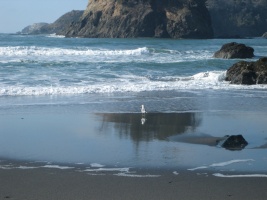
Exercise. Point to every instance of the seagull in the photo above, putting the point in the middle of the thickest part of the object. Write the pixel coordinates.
(143, 110)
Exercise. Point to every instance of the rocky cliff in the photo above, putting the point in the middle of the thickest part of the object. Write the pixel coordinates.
(58, 27)
(144, 18)
(33, 29)
(238, 18)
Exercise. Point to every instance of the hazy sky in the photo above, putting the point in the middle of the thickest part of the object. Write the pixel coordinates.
(17, 14)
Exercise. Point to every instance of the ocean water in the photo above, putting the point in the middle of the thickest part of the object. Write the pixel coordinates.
(53, 81)
(50, 65)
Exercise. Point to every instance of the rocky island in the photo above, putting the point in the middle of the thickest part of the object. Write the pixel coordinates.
(143, 18)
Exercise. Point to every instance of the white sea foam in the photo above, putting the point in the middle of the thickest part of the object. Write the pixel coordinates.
(97, 165)
(197, 168)
(125, 170)
(128, 84)
(6, 167)
(137, 175)
(27, 167)
(230, 162)
(175, 173)
(54, 35)
(210, 76)
(58, 52)
(96, 55)
(222, 164)
(241, 175)
(57, 167)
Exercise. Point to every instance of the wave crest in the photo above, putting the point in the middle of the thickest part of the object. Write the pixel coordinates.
(45, 51)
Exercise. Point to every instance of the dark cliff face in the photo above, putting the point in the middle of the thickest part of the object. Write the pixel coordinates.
(238, 18)
(62, 23)
(144, 18)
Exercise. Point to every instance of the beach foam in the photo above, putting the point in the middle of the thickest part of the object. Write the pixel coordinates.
(222, 164)
(175, 173)
(137, 175)
(27, 167)
(108, 170)
(97, 165)
(241, 175)
(57, 167)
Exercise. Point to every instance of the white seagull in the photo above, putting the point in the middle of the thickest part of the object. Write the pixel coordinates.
(143, 110)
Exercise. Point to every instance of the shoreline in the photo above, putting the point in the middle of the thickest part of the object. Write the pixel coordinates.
(96, 169)
(48, 183)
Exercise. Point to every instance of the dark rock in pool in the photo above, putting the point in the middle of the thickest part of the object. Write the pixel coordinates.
(248, 73)
(234, 50)
(234, 142)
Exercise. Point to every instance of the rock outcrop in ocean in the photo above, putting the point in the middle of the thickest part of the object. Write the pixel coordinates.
(238, 18)
(234, 50)
(248, 73)
(58, 27)
(143, 18)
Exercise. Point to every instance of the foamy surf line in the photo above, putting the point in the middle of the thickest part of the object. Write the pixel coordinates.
(200, 81)
(57, 167)
(125, 172)
(241, 175)
(96, 169)
(222, 164)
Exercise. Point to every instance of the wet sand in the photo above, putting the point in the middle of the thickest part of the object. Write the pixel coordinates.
(43, 184)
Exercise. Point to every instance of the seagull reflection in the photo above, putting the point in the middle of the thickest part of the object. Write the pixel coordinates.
(143, 111)
(143, 120)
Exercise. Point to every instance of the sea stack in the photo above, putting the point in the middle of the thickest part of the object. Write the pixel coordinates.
(143, 18)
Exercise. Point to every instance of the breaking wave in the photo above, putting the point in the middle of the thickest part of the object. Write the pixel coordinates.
(45, 51)
(199, 81)
(86, 54)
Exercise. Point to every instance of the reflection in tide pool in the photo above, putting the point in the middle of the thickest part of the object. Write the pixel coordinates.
(120, 139)
(158, 126)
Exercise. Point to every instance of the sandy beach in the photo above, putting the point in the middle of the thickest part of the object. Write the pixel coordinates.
(43, 184)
